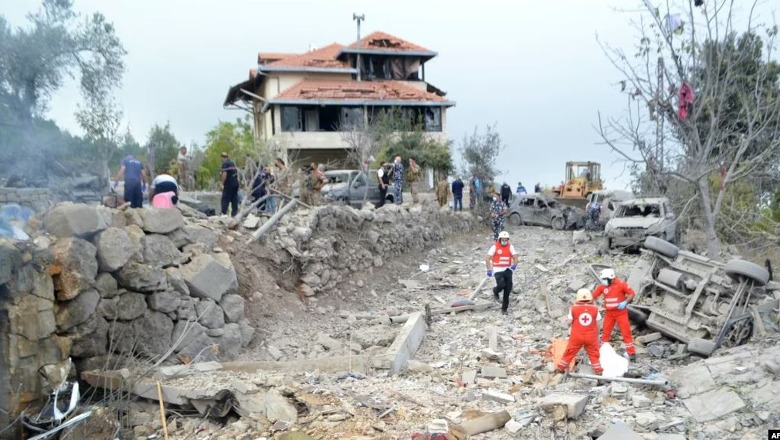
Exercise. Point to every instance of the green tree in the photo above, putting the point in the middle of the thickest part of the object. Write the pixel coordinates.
(480, 153)
(58, 43)
(233, 138)
(162, 147)
(100, 120)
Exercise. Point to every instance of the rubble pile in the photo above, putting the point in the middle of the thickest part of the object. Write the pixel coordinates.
(479, 371)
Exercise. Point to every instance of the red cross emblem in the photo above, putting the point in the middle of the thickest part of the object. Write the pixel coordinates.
(585, 320)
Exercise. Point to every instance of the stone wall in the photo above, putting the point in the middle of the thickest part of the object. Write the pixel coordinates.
(35, 198)
(106, 284)
(333, 242)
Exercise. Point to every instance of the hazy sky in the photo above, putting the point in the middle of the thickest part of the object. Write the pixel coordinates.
(534, 68)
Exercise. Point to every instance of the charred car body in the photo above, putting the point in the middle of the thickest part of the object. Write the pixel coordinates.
(636, 219)
(537, 209)
(699, 301)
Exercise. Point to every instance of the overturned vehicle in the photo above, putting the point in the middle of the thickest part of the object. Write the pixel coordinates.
(704, 303)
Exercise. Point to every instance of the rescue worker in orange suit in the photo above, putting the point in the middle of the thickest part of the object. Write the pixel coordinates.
(501, 262)
(617, 295)
(583, 318)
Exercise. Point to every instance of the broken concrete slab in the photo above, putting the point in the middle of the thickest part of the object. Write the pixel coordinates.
(646, 420)
(620, 431)
(692, 379)
(358, 364)
(713, 405)
(251, 222)
(491, 332)
(573, 403)
(406, 343)
(485, 423)
(468, 377)
(497, 396)
(646, 339)
(492, 372)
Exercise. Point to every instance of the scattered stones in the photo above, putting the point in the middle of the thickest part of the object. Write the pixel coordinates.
(574, 404)
(497, 396)
(161, 221)
(492, 372)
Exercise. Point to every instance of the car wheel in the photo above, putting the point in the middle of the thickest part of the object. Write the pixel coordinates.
(662, 247)
(738, 269)
(515, 219)
(390, 199)
(342, 201)
(637, 316)
(607, 246)
(558, 223)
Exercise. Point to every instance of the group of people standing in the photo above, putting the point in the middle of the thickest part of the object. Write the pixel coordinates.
(264, 184)
(396, 174)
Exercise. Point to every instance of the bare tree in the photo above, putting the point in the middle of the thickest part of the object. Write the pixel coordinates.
(703, 108)
(363, 141)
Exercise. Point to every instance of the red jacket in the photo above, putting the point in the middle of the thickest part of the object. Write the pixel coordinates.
(614, 294)
(584, 318)
(503, 255)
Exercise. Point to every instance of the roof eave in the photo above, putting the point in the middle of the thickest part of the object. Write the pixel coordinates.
(307, 69)
(409, 53)
(384, 103)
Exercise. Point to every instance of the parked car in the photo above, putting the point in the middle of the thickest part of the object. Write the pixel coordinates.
(352, 187)
(637, 219)
(609, 200)
(538, 209)
(334, 177)
(702, 302)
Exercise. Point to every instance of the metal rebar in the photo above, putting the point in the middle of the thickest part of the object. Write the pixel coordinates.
(657, 383)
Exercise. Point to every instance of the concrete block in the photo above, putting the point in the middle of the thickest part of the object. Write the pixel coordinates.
(406, 343)
(468, 377)
(620, 431)
(713, 405)
(574, 403)
(492, 372)
(513, 428)
(498, 396)
(646, 339)
(647, 421)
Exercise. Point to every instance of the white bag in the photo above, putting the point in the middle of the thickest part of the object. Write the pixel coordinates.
(613, 364)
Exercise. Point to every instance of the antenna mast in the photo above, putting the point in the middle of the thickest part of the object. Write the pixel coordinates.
(358, 18)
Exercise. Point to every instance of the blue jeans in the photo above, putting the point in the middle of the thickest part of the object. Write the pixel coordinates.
(457, 205)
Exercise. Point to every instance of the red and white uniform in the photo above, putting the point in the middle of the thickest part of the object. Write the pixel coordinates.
(584, 333)
(617, 292)
(501, 256)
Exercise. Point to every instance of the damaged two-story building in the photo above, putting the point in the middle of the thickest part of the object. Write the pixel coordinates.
(301, 101)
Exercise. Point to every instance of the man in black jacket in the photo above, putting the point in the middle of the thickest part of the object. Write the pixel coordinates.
(384, 180)
(506, 193)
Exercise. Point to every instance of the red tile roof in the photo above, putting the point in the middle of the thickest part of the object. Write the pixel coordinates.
(324, 57)
(318, 90)
(263, 57)
(386, 42)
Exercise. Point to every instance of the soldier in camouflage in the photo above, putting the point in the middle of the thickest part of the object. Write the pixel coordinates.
(498, 211)
(398, 180)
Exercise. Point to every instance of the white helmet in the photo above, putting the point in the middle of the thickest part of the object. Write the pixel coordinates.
(503, 234)
(584, 295)
(607, 274)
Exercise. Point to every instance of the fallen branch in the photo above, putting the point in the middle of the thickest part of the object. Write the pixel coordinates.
(272, 221)
(289, 197)
(235, 221)
(162, 410)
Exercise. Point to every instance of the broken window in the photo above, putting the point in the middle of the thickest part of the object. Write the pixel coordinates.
(292, 118)
(432, 120)
(351, 117)
(329, 118)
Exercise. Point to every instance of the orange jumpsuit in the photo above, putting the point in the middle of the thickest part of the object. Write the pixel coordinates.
(617, 292)
(584, 333)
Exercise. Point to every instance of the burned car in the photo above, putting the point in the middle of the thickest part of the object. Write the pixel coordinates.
(636, 219)
(351, 187)
(699, 301)
(537, 209)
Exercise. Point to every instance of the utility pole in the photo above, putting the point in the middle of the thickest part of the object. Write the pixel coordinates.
(659, 122)
(358, 18)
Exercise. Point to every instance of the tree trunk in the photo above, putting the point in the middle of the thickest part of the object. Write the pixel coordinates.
(713, 245)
